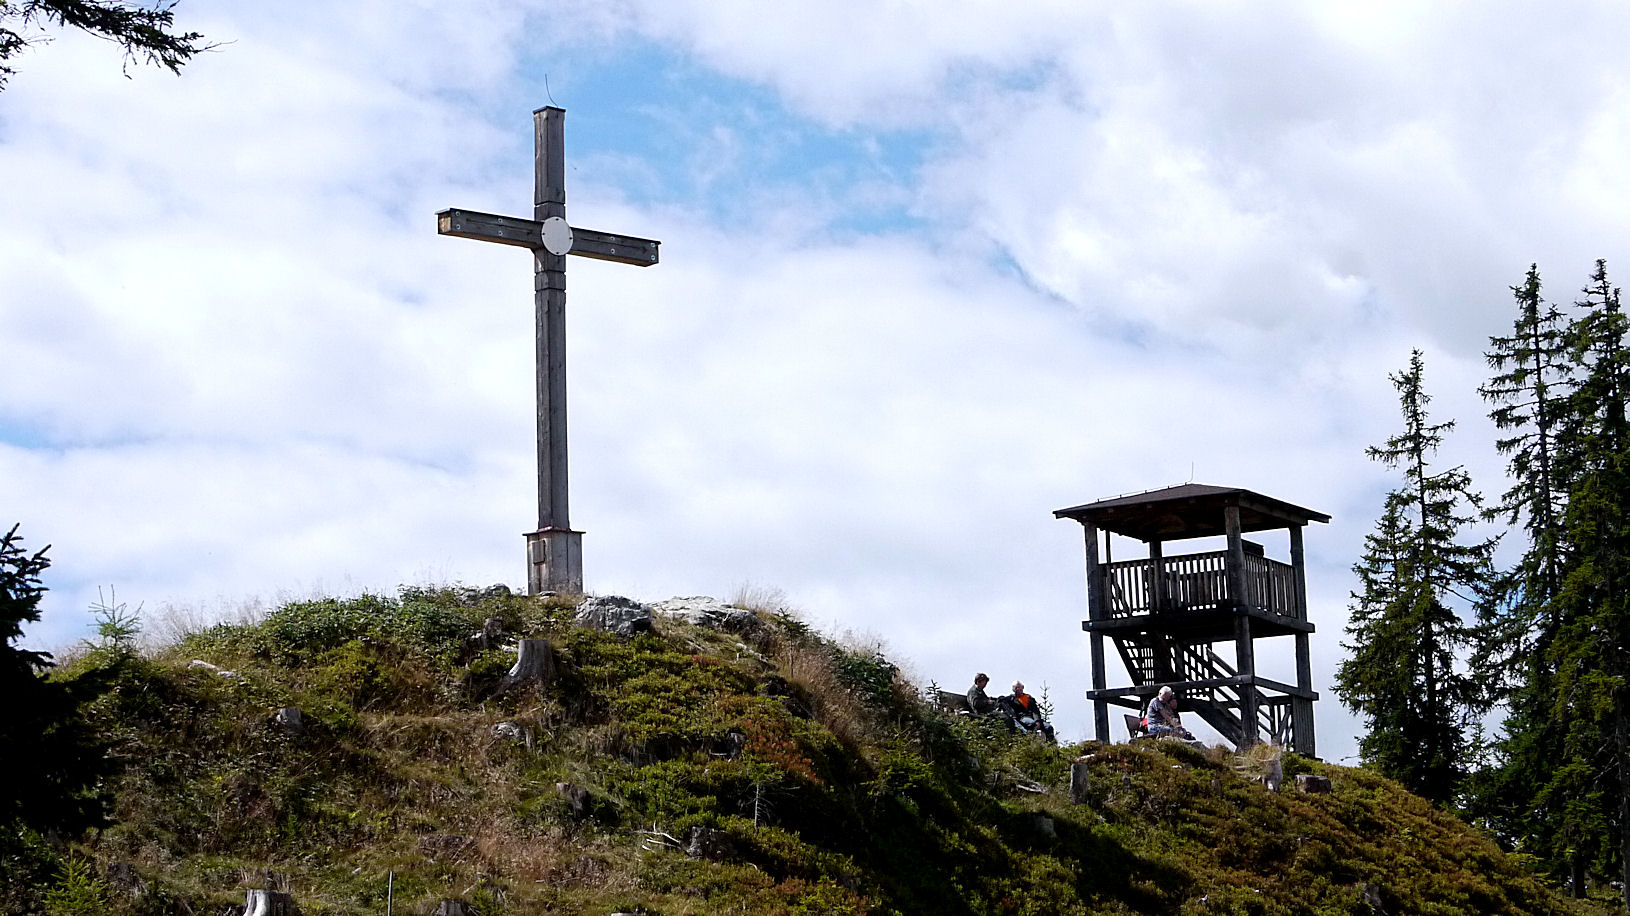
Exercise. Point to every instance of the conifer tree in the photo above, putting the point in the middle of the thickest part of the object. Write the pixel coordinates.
(1588, 793)
(55, 785)
(145, 31)
(1530, 394)
(1403, 676)
(1532, 397)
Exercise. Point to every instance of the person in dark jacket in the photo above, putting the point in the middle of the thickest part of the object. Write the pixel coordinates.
(1022, 706)
(978, 702)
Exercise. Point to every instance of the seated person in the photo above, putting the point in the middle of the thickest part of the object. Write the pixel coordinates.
(1162, 718)
(978, 702)
(1022, 708)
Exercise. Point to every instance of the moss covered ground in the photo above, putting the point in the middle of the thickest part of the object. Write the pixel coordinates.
(685, 771)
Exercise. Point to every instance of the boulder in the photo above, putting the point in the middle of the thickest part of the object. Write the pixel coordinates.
(289, 721)
(707, 843)
(488, 637)
(708, 612)
(1313, 785)
(123, 879)
(622, 616)
(1371, 895)
(217, 670)
(577, 798)
(730, 744)
(1042, 823)
(512, 731)
(473, 597)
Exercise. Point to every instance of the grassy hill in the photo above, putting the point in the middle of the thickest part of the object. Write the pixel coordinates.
(754, 768)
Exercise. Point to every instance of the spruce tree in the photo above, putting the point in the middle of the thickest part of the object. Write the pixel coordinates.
(1403, 677)
(1588, 793)
(56, 784)
(145, 32)
(1532, 394)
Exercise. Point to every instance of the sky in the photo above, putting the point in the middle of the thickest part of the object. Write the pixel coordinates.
(929, 272)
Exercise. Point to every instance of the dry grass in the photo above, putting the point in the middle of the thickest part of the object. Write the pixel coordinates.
(761, 599)
(809, 667)
(1261, 763)
(172, 623)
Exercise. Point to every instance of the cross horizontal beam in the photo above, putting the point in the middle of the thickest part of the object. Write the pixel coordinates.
(528, 233)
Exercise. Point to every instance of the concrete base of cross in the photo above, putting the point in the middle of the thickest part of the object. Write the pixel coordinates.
(554, 561)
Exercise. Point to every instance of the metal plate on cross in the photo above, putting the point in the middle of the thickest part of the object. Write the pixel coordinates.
(557, 236)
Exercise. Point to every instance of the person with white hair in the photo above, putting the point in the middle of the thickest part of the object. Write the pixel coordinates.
(1162, 717)
(1023, 710)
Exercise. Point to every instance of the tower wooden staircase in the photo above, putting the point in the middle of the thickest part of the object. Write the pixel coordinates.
(1167, 616)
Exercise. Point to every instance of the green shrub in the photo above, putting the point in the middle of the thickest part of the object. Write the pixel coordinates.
(868, 674)
(900, 772)
(428, 621)
(78, 891)
(358, 675)
(312, 626)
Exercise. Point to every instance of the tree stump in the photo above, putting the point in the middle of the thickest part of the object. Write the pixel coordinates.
(454, 908)
(536, 662)
(268, 903)
(1080, 781)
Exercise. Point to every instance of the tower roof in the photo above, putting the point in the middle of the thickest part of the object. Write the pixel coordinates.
(1190, 510)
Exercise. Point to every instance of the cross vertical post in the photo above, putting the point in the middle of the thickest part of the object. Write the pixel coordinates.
(554, 551)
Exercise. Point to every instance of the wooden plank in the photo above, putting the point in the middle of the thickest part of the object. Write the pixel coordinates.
(1157, 577)
(1190, 687)
(528, 233)
(490, 227)
(607, 246)
(1217, 621)
(1301, 712)
(1298, 565)
(1096, 610)
(549, 162)
(1236, 557)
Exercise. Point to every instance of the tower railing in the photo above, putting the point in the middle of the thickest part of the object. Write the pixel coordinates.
(1198, 581)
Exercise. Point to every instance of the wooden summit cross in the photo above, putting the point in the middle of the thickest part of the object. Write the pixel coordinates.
(554, 552)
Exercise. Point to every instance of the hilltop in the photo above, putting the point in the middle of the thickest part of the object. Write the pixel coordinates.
(732, 761)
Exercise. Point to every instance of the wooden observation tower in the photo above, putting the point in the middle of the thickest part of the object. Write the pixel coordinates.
(1168, 614)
